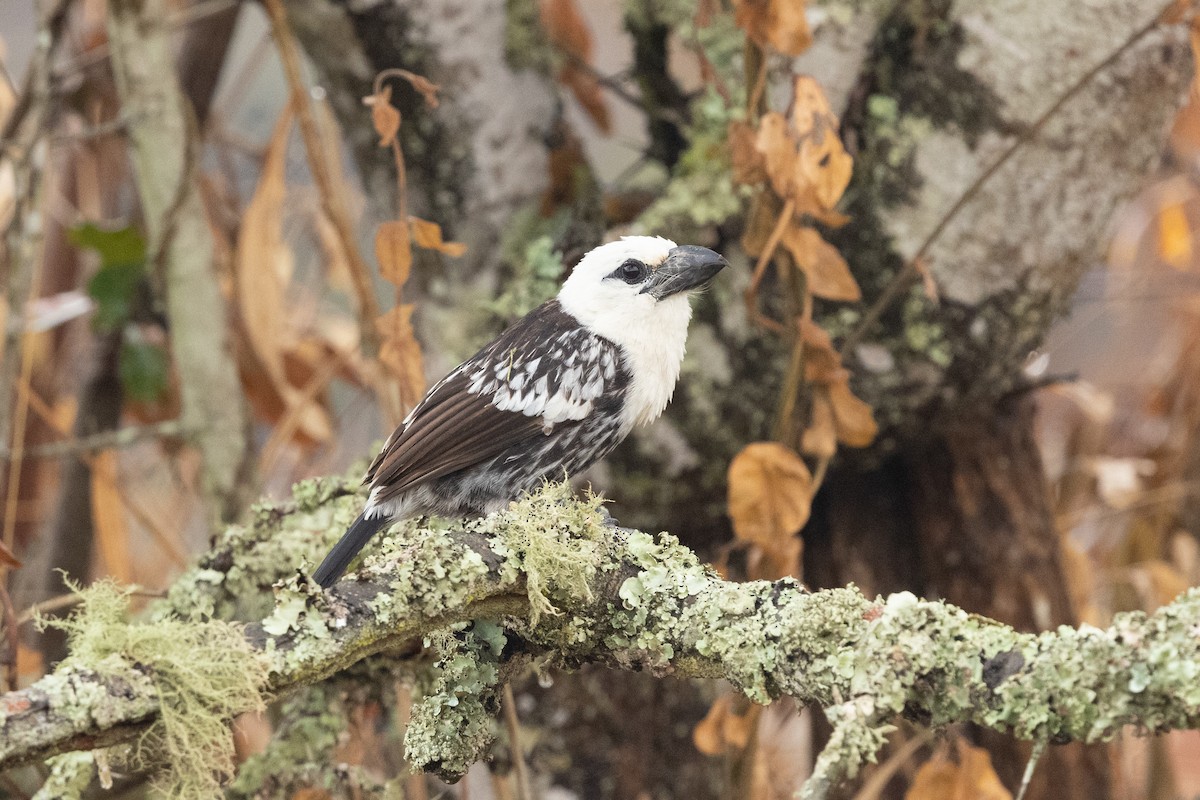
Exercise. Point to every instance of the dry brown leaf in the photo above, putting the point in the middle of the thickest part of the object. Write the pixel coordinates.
(760, 222)
(725, 728)
(429, 235)
(802, 155)
(825, 165)
(384, 116)
(393, 250)
(820, 437)
(770, 494)
(853, 419)
(1174, 236)
(778, 152)
(8, 558)
(780, 560)
(810, 111)
(401, 354)
(108, 517)
(779, 24)
(1157, 583)
(425, 87)
(747, 161)
(822, 364)
(969, 777)
(567, 30)
(827, 272)
(260, 278)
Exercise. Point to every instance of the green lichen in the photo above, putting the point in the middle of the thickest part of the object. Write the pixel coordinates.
(453, 724)
(302, 748)
(701, 192)
(204, 673)
(70, 775)
(551, 539)
(537, 273)
(233, 579)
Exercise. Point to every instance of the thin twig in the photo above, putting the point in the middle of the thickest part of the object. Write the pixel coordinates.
(24, 129)
(117, 124)
(332, 202)
(524, 788)
(903, 279)
(873, 786)
(70, 599)
(167, 543)
(620, 92)
(105, 440)
(291, 420)
(11, 638)
(1039, 747)
(760, 268)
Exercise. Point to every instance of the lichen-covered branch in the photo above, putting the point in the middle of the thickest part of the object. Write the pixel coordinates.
(548, 579)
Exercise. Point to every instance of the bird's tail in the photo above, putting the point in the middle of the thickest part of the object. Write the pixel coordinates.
(353, 540)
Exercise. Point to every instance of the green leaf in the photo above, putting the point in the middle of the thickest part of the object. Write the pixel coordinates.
(114, 289)
(120, 246)
(144, 370)
(122, 266)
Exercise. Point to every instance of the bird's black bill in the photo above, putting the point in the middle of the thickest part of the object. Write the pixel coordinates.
(685, 267)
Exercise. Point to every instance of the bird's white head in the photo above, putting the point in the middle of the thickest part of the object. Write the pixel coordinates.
(634, 292)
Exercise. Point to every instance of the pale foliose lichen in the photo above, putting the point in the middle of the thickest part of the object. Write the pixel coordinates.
(233, 579)
(70, 775)
(453, 723)
(308, 729)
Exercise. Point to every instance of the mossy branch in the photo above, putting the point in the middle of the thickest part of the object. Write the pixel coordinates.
(548, 578)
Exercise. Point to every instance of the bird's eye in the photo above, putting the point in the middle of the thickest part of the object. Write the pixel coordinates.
(632, 271)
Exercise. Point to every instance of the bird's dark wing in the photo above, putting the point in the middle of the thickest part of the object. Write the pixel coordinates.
(543, 371)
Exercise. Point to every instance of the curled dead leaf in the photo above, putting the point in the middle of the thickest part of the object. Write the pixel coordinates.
(827, 272)
(384, 116)
(810, 110)
(770, 493)
(969, 775)
(825, 166)
(401, 354)
(853, 419)
(820, 437)
(747, 161)
(803, 157)
(425, 87)
(822, 364)
(727, 725)
(778, 24)
(568, 31)
(393, 250)
(261, 276)
(429, 235)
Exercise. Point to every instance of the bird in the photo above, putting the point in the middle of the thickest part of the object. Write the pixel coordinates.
(552, 394)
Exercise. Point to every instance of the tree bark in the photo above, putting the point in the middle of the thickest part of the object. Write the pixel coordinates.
(163, 142)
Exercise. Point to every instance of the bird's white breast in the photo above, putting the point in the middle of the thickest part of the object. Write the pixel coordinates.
(652, 336)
